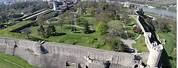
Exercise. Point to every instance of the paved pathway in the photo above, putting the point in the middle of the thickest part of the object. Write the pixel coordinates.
(138, 37)
(128, 42)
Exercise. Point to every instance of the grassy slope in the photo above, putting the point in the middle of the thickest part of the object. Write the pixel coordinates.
(70, 37)
(170, 46)
(140, 45)
(6, 32)
(74, 38)
(7, 61)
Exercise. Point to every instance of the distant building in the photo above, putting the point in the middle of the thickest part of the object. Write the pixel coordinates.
(46, 0)
(126, 4)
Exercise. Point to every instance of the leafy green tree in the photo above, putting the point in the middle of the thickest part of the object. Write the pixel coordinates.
(40, 19)
(50, 30)
(117, 45)
(82, 8)
(101, 28)
(84, 22)
(42, 32)
(115, 28)
(60, 23)
(104, 16)
(3, 17)
(27, 32)
(86, 28)
(81, 20)
(53, 29)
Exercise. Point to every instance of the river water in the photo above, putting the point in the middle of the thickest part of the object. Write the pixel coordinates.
(160, 12)
(154, 10)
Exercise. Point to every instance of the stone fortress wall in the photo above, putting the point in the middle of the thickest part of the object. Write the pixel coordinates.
(60, 55)
(152, 41)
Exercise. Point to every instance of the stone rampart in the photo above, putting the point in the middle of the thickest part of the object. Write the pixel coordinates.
(59, 55)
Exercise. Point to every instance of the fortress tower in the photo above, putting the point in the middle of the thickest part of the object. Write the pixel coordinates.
(155, 50)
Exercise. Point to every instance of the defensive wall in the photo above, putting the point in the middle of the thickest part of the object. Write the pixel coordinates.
(57, 55)
(151, 40)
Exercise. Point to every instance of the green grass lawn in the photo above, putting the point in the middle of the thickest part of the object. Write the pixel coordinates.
(140, 45)
(18, 25)
(88, 40)
(79, 38)
(170, 46)
(6, 32)
(8, 61)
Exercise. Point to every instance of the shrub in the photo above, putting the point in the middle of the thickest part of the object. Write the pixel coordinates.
(101, 28)
(86, 29)
(117, 45)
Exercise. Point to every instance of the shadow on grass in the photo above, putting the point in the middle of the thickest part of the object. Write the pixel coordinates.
(90, 31)
(165, 60)
(58, 34)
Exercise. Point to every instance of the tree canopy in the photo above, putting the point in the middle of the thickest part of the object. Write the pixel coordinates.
(101, 28)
